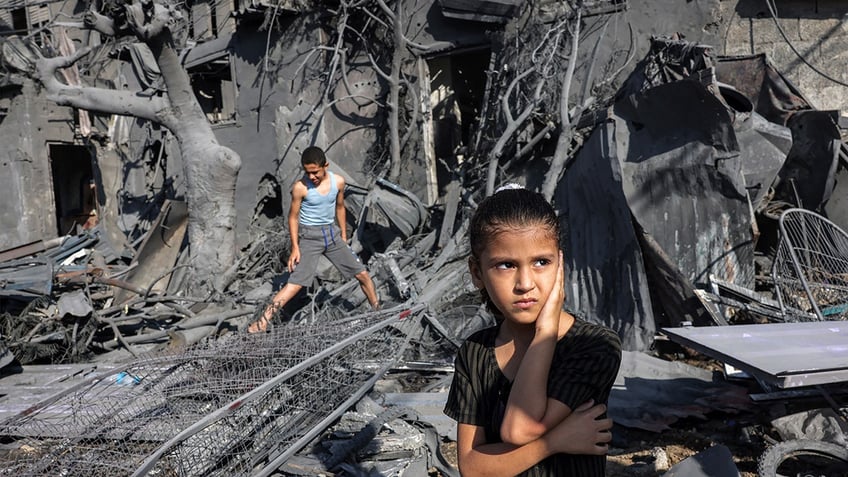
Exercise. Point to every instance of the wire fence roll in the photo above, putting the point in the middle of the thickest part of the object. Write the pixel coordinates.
(230, 406)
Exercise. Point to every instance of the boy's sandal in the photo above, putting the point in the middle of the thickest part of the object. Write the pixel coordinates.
(259, 326)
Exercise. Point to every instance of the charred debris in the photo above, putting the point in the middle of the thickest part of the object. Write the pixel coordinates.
(704, 194)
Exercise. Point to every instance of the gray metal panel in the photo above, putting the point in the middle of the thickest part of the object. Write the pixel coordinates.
(785, 354)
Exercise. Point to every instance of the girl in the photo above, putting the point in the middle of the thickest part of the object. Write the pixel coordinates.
(524, 391)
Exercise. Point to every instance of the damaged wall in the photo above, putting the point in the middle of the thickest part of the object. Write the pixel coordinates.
(816, 30)
(25, 180)
(29, 212)
(51, 181)
(270, 116)
(278, 114)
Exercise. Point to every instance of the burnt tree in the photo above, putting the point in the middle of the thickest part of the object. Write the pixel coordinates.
(210, 169)
(541, 84)
(378, 33)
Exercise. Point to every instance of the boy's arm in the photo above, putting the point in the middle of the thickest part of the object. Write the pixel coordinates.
(341, 213)
(580, 433)
(529, 412)
(298, 193)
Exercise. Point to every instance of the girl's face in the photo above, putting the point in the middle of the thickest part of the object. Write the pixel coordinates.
(518, 268)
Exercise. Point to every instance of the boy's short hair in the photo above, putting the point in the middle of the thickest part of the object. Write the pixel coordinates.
(313, 155)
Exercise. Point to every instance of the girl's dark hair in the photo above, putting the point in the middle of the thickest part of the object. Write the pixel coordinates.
(510, 209)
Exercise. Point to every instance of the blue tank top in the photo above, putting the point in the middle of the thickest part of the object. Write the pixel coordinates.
(318, 209)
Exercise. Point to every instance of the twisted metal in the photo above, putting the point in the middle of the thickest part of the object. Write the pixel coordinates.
(239, 405)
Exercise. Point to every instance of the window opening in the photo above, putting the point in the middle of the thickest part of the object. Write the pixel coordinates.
(20, 25)
(215, 91)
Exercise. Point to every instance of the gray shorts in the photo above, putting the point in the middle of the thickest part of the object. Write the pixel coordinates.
(317, 240)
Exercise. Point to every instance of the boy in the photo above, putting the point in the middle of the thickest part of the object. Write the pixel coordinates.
(317, 199)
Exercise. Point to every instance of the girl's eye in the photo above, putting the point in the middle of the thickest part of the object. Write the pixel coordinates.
(504, 266)
(542, 262)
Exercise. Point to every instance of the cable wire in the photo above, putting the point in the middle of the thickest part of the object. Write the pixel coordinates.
(773, 10)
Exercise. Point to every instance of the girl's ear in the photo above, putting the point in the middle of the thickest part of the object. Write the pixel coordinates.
(476, 276)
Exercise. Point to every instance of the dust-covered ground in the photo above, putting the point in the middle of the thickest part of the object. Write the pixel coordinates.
(651, 454)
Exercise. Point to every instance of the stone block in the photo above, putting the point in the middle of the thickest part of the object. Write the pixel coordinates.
(828, 95)
(828, 58)
(814, 29)
(833, 53)
(784, 58)
(738, 35)
(737, 49)
(765, 30)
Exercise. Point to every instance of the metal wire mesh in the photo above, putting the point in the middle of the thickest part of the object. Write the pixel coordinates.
(811, 267)
(226, 407)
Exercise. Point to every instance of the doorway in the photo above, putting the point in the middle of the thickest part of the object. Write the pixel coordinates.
(74, 188)
(457, 85)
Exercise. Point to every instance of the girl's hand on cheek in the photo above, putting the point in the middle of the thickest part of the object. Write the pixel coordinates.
(548, 320)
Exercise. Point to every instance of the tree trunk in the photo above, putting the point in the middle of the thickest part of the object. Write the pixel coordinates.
(210, 171)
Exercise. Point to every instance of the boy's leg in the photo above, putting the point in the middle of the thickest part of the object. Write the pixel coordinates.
(368, 288)
(311, 248)
(280, 299)
(345, 260)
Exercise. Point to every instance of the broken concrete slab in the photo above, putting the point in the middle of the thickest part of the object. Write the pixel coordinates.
(158, 252)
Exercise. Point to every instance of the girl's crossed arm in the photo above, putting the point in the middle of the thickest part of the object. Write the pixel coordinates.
(580, 433)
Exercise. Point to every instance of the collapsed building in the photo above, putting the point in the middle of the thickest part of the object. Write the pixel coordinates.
(675, 178)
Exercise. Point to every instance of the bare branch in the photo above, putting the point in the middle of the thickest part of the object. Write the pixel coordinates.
(348, 87)
(337, 53)
(532, 143)
(388, 11)
(379, 71)
(505, 99)
(569, 73)
(565, 133)
(100, 100)
(421, 49)
(511, 127)
(414, 119)
(376, 18)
